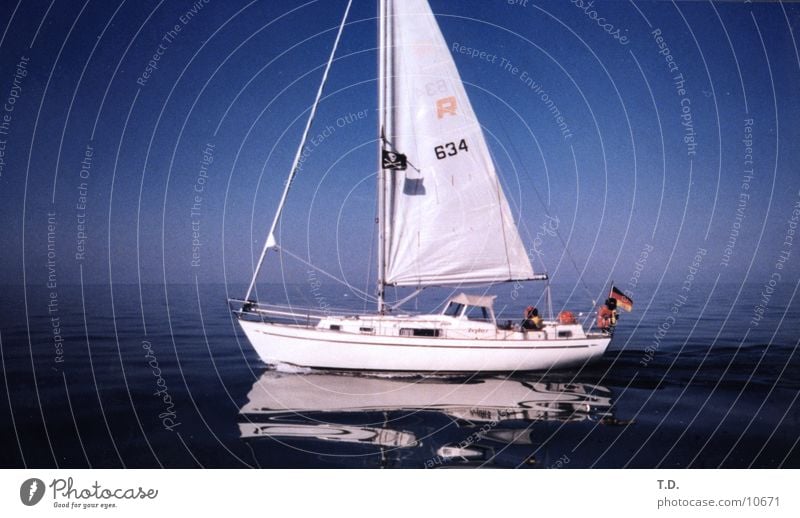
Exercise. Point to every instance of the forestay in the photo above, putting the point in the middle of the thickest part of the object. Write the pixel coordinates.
(446, 219)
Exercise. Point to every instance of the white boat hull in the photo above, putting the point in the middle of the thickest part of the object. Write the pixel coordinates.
(322, 348)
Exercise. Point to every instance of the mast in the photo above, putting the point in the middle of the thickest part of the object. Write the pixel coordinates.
(271, 242)
(381, 216)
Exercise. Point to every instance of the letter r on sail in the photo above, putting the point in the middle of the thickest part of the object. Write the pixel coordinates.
(446, 106)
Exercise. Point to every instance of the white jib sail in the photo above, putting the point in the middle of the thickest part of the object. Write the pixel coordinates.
(446, 218)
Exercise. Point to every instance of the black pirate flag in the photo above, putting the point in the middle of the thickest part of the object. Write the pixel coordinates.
(394, 161)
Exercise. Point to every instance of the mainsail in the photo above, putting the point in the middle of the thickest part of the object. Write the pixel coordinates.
(445, 218)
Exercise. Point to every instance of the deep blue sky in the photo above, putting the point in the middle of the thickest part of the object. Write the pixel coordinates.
(241, 77)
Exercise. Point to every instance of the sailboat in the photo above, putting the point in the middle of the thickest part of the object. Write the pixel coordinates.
(443, 220)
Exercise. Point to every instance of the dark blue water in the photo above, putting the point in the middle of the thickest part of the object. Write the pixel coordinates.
(161, 376)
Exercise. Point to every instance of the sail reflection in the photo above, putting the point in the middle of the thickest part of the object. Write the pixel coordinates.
(417, 422)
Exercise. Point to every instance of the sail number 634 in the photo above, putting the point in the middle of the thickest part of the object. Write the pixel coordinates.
(450, 149)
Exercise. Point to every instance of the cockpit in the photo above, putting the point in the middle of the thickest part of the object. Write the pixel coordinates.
(477, 308)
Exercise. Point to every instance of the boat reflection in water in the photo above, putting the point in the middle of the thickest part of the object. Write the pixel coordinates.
(357, 420)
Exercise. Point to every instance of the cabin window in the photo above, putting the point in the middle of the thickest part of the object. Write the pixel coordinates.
(367, 330)
(454, 309)
(336, 328)
(478, 313)
(565, 334)
(419, 332)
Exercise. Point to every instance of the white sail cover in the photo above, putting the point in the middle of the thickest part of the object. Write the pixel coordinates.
(446, 219)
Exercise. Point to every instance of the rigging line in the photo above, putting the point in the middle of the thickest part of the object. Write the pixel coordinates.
(500, 197)
(270, 242)
(547, 213)
(323, 272)
(397, 303)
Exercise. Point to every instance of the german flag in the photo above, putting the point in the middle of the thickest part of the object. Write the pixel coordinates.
(623, 300)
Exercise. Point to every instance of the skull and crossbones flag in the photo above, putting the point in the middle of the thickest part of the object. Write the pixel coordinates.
(394, 161)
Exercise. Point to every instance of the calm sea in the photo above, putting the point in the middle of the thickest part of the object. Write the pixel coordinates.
(161, 376)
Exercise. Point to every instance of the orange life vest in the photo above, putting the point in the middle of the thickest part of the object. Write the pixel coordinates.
(606, 317)
(566, 318)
